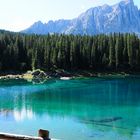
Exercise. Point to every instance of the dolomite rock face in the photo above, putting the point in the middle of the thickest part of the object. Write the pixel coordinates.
(122, 17)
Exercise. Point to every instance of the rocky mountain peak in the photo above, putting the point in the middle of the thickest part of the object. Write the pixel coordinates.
(121, 17)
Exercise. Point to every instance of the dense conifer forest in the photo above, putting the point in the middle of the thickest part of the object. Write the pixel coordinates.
(20, 52)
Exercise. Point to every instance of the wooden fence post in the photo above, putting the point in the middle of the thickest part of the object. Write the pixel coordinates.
(44, 134)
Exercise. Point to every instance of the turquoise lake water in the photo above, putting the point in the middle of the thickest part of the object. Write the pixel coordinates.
(88, 109)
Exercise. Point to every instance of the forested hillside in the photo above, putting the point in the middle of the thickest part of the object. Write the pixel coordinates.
(20, 52)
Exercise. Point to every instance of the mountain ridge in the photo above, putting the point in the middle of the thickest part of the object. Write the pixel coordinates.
(121, 17)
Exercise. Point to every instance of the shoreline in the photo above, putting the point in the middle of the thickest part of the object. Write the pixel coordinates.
(62, 75)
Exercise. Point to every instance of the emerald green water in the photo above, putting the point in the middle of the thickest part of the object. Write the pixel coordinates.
(74, 109)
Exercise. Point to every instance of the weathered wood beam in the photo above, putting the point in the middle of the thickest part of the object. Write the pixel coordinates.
(42, 135)
(6, 136)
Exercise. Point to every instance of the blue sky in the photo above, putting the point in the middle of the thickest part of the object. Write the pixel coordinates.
(16, 15)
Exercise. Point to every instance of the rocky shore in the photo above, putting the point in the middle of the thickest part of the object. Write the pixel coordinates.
(40, 76)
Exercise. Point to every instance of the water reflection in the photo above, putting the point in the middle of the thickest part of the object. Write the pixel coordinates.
(18, 115)
(23, 114)
(77, 102)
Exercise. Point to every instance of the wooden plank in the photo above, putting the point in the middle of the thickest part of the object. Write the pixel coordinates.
(6, 136)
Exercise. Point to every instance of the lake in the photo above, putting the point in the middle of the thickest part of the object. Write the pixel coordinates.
(86, 109)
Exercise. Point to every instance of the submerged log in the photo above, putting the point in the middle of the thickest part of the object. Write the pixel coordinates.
(106, 120)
